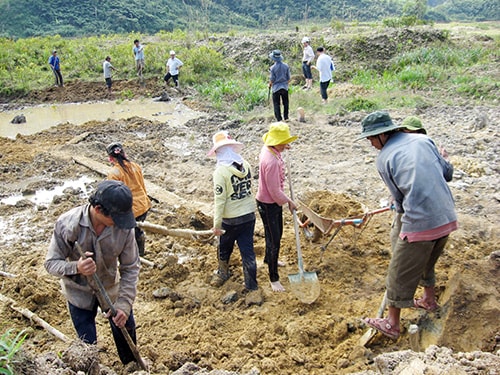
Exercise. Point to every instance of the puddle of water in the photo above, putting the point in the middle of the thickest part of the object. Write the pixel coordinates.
(44, 197)
(42, 117)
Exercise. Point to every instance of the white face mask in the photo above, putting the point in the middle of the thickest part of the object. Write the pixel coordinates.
(227, 156)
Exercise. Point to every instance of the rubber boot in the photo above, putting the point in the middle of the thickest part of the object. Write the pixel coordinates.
(141, 243)
(222, 274)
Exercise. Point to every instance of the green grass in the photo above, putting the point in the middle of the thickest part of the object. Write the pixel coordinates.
(451, 67)
(10, 345)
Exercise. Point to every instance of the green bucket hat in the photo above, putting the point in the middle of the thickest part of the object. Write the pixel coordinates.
(376, 123)
(413, 124)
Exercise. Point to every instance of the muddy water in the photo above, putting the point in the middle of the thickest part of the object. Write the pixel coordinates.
(43, 117)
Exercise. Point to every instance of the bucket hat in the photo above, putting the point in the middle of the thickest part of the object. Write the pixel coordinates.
(278, 134)
(172, 52)
(305, 40)
(223, 138)
(116, 198)
(414, 124)
(376, 123)
(276, 55)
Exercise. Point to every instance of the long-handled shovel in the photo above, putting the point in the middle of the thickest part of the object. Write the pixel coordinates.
(103, 296)
(368, 335)
(304, 285)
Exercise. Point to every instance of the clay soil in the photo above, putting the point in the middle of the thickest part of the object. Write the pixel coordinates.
(181, 318)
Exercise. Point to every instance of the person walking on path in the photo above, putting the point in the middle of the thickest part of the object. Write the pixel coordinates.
(278, 81)
(234, 209)
(130, 173)
(138, 51)
(412, 169)
(271, 196)
(107, 69)
(173, 69)
(307, 59)
(325, 67)
(55, 65)
(103, 228)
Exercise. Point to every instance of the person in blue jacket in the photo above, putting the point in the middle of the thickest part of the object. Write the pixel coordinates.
(55, 65)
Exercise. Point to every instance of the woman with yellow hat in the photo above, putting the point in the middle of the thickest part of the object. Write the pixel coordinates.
(271, 196)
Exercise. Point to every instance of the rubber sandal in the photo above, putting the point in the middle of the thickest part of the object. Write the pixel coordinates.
(383, 326)
(420, 304)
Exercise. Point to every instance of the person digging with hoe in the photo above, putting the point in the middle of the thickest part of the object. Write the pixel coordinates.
(271, 196)
(103, 228)
(234, 211)
(412, 169)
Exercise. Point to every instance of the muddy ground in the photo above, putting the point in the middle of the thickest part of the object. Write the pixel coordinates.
(194, 322)
(182, 320)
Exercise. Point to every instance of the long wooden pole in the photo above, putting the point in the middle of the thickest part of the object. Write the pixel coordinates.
(101, 291)
(35, 318)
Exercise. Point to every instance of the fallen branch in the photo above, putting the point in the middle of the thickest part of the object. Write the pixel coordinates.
(185, 233)
(35, 318)
(7, 274)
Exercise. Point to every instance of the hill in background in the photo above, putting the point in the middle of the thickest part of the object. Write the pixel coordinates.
(25, 18)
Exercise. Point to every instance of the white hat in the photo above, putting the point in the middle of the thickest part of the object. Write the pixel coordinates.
(305, 39)
(172, 52)
(223, 138)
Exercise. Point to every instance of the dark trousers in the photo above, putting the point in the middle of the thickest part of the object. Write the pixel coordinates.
(280, 95)
(58, 75)
(323, 86)
(242, 234)
(175, 77)
(84, 323)
(272, 218)
(139, 234)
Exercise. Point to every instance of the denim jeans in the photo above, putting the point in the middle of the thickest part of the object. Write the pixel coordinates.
(242, 234)
(272, 218)
(84, 323)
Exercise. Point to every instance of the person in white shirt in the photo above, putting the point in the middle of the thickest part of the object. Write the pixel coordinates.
(138, 51)
(107, 69)
(173, 66)
(325, 67)
(307, 60)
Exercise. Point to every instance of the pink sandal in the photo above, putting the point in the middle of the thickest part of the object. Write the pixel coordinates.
(420, 304)
(383, 326)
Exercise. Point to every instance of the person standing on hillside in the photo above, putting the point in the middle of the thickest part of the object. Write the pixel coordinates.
(307, 59)
(102, 228)
(271, 195)
(278, 81)
(234, 209)
(412, 169)
(130, 174)
(55, 65)
(325, 67)
(107, 69)
(173, 68)
(138, 51)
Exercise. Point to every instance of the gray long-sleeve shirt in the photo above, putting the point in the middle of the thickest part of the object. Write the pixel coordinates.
(414, 172)
(115, 253)
(280, 76)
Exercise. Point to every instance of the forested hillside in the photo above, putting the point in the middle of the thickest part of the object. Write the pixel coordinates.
(23, 18)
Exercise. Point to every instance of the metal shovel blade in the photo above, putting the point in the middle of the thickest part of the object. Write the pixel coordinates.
(305, 286)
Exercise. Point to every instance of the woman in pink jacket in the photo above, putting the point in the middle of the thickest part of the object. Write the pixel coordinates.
(271, 196)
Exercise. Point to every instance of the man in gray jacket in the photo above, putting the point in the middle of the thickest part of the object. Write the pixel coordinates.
(105, 231)
(412, 169)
